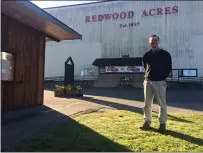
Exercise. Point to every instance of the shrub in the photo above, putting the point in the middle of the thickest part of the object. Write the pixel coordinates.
(68, 91)
(74, 88)
(68, 88)
(60, 88)
(78, 88)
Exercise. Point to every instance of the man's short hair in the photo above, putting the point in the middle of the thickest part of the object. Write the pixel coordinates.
(154, 36)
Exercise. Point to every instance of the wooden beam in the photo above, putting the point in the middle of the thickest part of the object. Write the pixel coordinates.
(52, 38)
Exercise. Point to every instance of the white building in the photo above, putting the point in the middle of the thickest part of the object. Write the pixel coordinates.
(115, 28)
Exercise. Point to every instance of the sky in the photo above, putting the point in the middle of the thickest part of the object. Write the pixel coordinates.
(45, 4)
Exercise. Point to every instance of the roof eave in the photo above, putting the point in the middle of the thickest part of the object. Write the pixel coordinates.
(50, 18)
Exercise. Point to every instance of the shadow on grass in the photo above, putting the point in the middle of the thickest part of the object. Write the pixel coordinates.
(69, 136)
(139, 110)
(173, 118)
(127, 107)
(181, 136)
(112, 104)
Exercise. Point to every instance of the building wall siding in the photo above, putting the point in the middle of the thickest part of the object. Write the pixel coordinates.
(83, 54)
(181, 33)
(29, 46)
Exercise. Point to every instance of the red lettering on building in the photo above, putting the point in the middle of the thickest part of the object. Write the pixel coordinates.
(150, 12)
(159, 11)
(123, 15)
(107, 16)
(175, 9)
(144, 13)
(115, 16)
(167, 10)
(130, 14)
(100, 17)
(94, 18)
(87, 19)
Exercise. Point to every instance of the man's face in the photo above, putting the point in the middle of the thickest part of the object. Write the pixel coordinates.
(154, 42)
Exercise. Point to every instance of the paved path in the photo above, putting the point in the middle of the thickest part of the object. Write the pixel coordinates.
(22, 124)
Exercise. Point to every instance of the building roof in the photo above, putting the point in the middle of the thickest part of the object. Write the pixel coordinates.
(83, 4)
(33, 16)
(132, 61)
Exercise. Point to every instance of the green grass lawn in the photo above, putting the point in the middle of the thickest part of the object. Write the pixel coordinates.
(119, 131)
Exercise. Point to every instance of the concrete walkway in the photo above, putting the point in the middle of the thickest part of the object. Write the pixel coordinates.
(22, 124)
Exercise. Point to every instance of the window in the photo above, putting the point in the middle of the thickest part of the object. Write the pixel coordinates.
(7, 66)
(87, 72)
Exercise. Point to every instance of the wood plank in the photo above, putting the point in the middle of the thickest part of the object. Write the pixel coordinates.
(14, 39)
(10, 50)
(41, 70)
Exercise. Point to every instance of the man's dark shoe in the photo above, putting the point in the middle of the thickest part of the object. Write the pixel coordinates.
(145, 126)
(162, 128)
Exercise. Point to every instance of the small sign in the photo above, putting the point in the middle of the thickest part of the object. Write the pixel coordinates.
(189, 73)
(124, 69)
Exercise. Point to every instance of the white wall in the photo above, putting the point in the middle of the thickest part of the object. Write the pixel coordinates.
(83, 55)
(179, 33)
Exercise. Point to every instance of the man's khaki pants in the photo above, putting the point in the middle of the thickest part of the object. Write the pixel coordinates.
(158, 89)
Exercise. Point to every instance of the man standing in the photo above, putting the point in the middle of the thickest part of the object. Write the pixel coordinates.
(158, 65)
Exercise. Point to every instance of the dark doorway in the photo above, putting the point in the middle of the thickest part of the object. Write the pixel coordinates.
(125, 81)
(69, 72)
